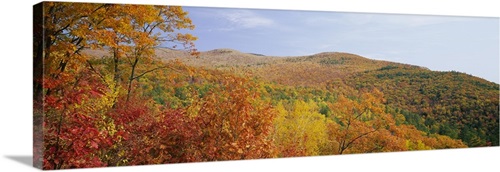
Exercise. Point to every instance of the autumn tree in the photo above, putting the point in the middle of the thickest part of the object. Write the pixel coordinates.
(234, 122)
(143, 133)
(65, 29)
(71, 133)
(55, 47)
(148, 27)
(300, 130)
(63, 75)
(358, 119)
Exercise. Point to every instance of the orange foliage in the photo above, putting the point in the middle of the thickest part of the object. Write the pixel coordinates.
(234, 121)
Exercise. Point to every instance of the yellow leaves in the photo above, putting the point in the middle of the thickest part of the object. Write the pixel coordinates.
(226, 127)
(301, 128)
(418, 145)
(282, 113)
(118, 26)
(143, 13)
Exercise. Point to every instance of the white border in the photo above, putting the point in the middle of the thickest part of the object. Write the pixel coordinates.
(15, 92)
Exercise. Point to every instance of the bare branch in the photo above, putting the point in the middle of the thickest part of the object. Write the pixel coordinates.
(364, 134)
(152, 70)
(95, 71)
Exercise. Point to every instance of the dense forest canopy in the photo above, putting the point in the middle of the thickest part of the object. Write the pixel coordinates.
(106, 95)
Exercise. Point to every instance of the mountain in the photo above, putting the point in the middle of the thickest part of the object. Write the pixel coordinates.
(454, 104)
(449, 103)
(217, 58)
(294, 70)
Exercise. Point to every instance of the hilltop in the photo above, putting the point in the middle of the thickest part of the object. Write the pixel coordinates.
(455, 104)
(287, 70)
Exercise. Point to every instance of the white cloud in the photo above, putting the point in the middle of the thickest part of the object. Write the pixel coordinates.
(245, 19)
(398, 20)
(374, 19)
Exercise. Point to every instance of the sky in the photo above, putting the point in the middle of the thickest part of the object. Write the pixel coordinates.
(441, 43)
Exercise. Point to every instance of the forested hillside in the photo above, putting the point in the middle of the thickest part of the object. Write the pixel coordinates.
(449, 103)
(313, 94)
(108, 96)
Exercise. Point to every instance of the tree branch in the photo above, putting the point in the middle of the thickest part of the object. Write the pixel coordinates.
(152, 70)
(93, 69)
(364, 134)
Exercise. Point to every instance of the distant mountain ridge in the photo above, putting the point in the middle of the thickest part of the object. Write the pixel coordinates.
(280, 69)
(455, 104)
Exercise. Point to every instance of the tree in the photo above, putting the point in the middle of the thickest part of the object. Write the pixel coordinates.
(134, 30)
(300, 130)
(65, 79)
(358, 120)
(234, 122)
(55, 46)
(72, 137)
(150, 26)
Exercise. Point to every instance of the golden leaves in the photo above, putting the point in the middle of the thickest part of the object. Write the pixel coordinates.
(300, 130)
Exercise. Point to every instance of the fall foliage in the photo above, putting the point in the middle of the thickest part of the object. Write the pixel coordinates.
(106, 95)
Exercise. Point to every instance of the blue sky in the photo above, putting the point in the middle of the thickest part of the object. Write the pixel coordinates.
(443, 43)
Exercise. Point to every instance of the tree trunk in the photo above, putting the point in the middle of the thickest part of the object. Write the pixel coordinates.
(37, 51)
(116, 74)
(131, 78)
